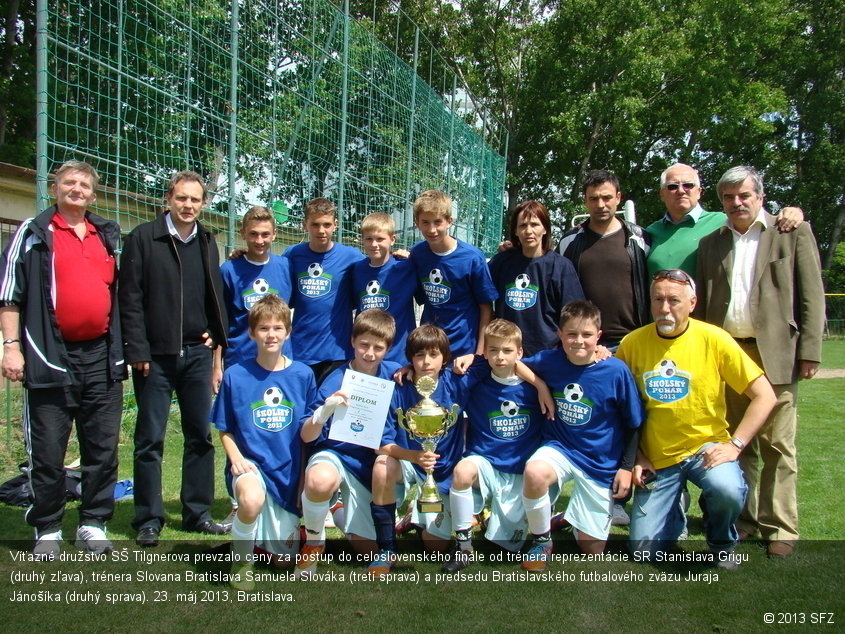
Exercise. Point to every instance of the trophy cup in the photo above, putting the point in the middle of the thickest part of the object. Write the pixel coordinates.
(428, 423)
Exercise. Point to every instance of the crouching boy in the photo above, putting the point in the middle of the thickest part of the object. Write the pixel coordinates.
(259, 411)
(593, 439)
(340, 466)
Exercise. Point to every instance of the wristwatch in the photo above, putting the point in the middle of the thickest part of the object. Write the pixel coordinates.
(736, 442)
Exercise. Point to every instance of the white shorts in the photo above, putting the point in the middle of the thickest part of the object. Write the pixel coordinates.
(278, 529)
(437, 524)
(507, 525)
(356, 497)
(589, 508)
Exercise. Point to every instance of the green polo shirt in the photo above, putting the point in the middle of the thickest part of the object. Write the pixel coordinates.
(675, 246)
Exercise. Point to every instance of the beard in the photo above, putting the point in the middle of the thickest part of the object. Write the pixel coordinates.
(666, 324)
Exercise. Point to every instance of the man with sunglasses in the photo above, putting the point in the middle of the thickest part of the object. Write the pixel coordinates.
(681, 366)
(675, 237)
(765, 288)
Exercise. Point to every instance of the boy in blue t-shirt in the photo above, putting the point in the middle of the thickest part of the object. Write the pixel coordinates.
(457, 290)
(340, 466)
(321, 275)
(259, 411)
(385, 282)
(504, 430)
(593, 439)
(253, 274)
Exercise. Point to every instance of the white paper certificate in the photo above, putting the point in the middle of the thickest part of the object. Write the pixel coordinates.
(362, 422)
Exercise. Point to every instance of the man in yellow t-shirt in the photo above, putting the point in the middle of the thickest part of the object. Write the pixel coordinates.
(681, 366)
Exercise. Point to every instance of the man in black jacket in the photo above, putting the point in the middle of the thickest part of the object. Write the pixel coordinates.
(173, 316)
(609, 255)
(61, 331)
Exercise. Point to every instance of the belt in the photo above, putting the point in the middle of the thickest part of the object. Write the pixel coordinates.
(745, 339)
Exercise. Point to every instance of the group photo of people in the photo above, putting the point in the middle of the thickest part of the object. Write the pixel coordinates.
(582, 384)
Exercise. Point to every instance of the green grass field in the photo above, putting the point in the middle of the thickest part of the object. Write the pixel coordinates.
(494, 596)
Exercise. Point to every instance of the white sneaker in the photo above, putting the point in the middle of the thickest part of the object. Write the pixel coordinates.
(48, 546)
(619, 517)
(93, 539)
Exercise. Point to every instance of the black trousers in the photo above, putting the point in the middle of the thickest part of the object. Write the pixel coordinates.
(189, 375)
(94, 403)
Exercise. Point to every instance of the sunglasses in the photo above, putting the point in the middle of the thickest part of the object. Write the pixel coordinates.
(674, 275)
(673, 187)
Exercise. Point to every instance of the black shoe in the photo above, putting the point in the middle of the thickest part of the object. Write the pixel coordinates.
(208, 528)
(147, 537)
(458, 560)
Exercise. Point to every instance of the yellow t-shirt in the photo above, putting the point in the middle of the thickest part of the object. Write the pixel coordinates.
(682, 383)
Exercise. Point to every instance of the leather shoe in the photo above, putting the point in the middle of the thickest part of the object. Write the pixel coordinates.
(208, 528)
(742, 535)
(780, 549)
(147, 537)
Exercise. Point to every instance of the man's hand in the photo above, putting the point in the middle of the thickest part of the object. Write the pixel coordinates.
(234, 254)
(325, 411)
(13, 362)
(807, 369)
(403, 373)
(505, 245)
(401, 253)
(602, 353)
(642, 467)
(141, 366)
(621, 484)
(216, 379)
(208, 342)
(789, 218)
(718, 454)
(547, 401)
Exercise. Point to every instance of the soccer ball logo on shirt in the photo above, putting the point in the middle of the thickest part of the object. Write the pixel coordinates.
(573, 408)
(437, 288)
(667, 382)
(314, 281)
(374, 296)
(259, 288)
(511, 421)
(272, 412)
(522, 294)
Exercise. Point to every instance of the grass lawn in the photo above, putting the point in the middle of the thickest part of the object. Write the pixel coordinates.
(493, 595)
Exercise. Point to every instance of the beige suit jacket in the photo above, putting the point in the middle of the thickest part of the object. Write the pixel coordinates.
(787, 296)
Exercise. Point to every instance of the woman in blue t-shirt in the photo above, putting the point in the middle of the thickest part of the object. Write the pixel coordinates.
(534, 282)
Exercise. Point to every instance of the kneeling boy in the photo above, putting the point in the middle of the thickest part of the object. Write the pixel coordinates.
(339, 465)
(259, 411)
(593, 439)
(505, 427)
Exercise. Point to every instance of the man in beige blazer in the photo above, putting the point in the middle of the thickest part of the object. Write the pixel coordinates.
(764, 287)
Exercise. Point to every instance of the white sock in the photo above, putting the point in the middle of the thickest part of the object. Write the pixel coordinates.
(243, 538)
(462, 508)
(539, 514)
(314, 517)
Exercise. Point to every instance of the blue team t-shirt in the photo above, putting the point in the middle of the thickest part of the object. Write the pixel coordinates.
(390, 287)
(532, 291)
(357, 459)
(264, 411)
(453, 287)
(244, 283)
(595, 404)
(505, 423)
(321, 299)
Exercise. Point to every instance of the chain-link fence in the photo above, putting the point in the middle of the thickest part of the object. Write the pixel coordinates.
(274, 102)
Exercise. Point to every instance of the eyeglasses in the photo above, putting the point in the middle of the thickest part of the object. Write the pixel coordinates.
(673, 187)
(674, 275)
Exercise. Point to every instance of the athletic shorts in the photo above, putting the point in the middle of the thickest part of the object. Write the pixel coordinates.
(356, 497)
(278, 529)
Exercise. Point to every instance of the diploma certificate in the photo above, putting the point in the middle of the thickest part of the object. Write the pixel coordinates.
(362, 421)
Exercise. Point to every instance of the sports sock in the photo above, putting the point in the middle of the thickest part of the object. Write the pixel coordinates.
(539, 513)
(462, 507)
(243, 538)
(314, 517)
(384, 519)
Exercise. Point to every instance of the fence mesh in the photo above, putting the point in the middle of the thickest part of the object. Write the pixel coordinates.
(274, 102)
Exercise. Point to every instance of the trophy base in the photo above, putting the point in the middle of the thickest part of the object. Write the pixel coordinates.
(429, 507)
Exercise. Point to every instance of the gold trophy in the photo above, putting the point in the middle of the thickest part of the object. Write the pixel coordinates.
(428, 423)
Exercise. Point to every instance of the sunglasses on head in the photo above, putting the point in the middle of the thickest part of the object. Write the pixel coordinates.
(673, 187)
(674, 275)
